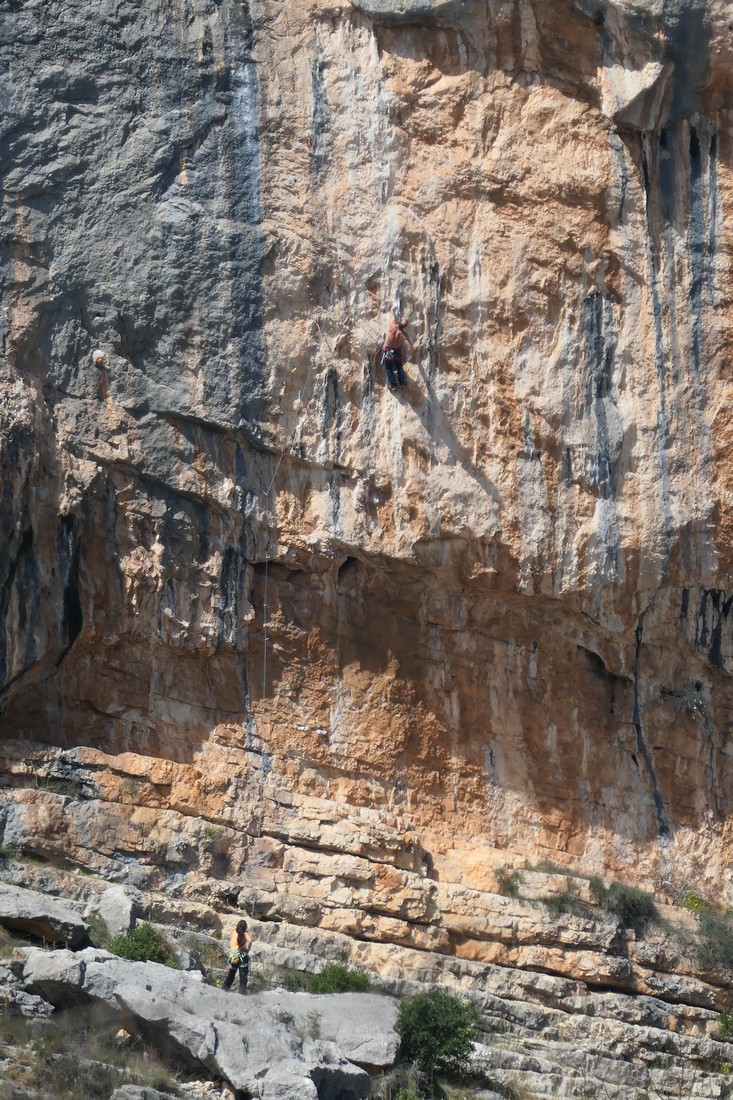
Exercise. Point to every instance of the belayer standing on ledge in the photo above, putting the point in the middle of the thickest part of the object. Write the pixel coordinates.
(239, 945)
(394, 341)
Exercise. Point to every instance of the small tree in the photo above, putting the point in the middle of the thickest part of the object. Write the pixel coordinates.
(437, 1032)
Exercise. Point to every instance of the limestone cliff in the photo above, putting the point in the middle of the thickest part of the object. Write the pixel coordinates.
(264, 624)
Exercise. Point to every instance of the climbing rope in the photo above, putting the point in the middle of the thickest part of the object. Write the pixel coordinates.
(265, 740)
(374, 336)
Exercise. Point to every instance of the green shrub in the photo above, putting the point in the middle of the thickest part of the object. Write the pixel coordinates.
(715, 950)
(437, 1032)
(142, 944)
(692, 901)
(338, 978)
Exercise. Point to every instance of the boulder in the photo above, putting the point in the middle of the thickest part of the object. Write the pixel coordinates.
(40, 916)
(119, 908)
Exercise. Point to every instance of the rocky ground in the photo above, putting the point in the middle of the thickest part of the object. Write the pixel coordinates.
(644, 1020)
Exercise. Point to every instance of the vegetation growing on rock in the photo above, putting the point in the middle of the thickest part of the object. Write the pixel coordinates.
(142, 944)
(436, 1029)
(337, 977)
(715, 950)
(634, 908)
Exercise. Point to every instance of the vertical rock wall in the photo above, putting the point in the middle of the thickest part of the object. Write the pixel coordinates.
(496, 606)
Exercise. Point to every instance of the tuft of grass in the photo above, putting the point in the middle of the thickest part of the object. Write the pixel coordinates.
(142, 944)
(566, 902)
(278, 977)
(23, 855)
(508, 881)
(547, 867)
(56, 784)
(8, 942)
(295, 981)
(338, 978)
(632, 907)
(66, 1077)
(259, 980)
(98, 931)
(206, 951)
(314, 1025)
(405, 1082)
(515, 1090)
(50, 1065)
(715, 948)
(14, 1030)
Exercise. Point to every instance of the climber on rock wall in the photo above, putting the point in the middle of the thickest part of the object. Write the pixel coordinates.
(240, 943)
(394, 341)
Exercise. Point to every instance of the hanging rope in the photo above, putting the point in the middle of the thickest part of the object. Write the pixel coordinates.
(374, 336)
(259, 821)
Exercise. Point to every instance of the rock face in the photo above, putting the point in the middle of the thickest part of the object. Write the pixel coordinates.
(268, 631)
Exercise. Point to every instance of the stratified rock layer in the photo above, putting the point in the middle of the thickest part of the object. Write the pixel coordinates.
(623, 1026)
(282, 629)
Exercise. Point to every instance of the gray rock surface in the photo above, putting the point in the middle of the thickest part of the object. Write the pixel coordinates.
(404, 11)
(130, 168)
(119, 908)
(41, 916)
(139, 1092)
(265, 1049)
(361, 1026)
